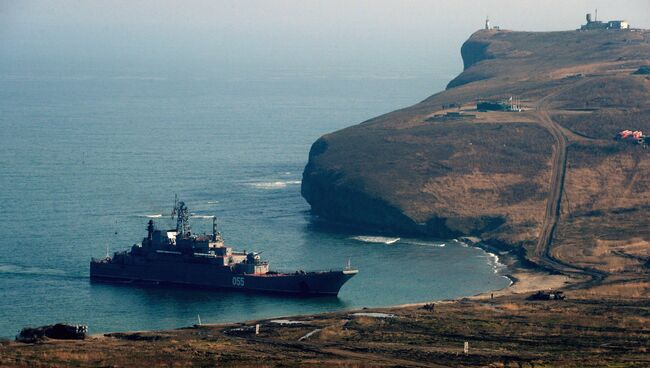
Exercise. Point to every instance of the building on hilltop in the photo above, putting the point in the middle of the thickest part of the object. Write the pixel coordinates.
(513, 104)
(488, 26)
(596, 24)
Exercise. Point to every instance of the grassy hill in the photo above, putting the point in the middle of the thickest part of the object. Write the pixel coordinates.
(496, 175)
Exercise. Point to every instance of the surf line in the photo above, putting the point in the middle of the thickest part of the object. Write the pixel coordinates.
(376, 239)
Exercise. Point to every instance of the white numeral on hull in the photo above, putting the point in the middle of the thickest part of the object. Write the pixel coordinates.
(238, 281)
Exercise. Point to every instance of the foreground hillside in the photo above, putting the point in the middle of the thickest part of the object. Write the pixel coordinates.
(548, 182)
(503, 332)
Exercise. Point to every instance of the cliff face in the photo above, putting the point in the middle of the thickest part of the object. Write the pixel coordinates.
(472, 52)
(488, 174)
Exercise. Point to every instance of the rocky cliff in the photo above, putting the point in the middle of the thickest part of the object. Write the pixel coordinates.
(490, 173)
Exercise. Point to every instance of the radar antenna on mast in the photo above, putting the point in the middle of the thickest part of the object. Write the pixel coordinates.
(182, 219)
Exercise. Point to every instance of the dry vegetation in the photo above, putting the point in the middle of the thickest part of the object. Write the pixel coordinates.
(493, 165)
(507, 331)
(486, 175)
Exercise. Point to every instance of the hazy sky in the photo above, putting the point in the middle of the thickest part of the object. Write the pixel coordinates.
(207, 36)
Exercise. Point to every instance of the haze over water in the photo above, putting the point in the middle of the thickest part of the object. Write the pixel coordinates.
(107, 111)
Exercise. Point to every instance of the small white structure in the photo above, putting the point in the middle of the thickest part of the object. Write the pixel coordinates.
(487, 23)
(618, 24)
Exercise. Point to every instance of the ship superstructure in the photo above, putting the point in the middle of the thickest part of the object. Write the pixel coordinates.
(178, 256)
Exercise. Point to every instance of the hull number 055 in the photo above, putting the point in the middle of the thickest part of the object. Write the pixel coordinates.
(238, 281)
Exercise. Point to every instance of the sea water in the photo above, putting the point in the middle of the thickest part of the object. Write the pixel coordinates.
(87, 159)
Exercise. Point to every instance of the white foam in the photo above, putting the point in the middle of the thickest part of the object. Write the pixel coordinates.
(274, 184)
(156, 215)
(493, 260)
(201, 216)
(213, 202)
(423, 243)
(376, 239)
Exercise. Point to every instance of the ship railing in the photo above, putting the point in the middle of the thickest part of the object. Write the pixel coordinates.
(205, 255)
(294, 271)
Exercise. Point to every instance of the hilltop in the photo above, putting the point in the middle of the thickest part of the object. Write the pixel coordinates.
(548, 182)
(547, 185)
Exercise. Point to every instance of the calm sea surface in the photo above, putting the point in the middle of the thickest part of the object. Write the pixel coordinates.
(85, 158)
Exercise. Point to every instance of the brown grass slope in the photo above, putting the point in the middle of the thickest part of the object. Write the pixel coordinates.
(489, 175)
(508, 332)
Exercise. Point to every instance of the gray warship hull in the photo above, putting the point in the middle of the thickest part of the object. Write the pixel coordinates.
(176, 256)
(208, 276)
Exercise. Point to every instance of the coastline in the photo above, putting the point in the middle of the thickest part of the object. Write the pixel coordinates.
(525, 276)
(517, 277)
(501, 330)
(603, 321)
(522, 280)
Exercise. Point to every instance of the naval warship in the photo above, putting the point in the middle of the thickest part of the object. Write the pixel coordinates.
(179, 257)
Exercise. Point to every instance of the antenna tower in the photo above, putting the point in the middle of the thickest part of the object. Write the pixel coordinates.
(182, 219)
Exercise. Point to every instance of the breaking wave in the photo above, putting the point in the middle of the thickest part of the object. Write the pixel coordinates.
(493, 260)
(202, 216)
(274, 184)
(423, 243)
(375, 239)
(213, 202)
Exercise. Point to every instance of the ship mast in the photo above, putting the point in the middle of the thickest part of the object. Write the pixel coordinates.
(182, 219)
(150, 229)
(175, 204)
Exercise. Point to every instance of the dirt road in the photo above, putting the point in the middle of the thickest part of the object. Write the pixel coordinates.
(543, 253)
